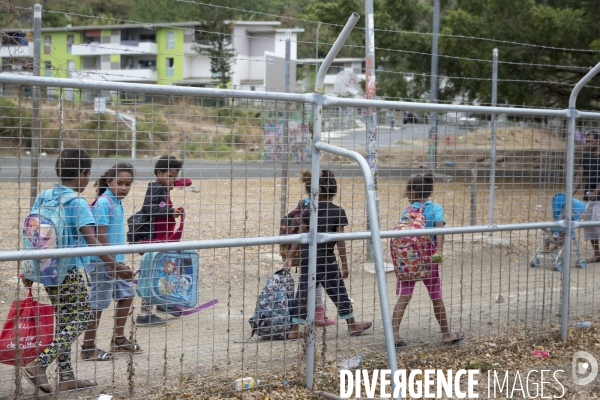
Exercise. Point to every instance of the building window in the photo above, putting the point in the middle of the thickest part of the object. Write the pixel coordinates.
(170, 40)
(47, 44)
(48, 68)
(170, 67)
(70, 42)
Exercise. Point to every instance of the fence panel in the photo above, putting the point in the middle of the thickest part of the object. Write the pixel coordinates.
(234, 150)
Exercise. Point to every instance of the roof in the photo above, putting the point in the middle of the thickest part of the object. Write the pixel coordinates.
(149, 26)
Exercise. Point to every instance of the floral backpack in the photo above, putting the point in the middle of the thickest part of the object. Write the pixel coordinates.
(411, 255)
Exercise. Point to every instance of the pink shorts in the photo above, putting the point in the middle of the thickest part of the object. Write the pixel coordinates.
(433, 285)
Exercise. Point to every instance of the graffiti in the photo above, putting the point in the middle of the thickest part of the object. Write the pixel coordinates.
(299, 142)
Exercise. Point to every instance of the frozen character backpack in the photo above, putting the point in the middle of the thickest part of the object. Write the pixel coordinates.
(46, 228)
(411, 255)
(169, 280)
(272, 318)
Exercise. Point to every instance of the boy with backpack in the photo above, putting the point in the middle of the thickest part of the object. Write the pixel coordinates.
(160, 217)
(60, 218)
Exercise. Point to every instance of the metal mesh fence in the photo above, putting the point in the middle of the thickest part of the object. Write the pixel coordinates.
(496, 286)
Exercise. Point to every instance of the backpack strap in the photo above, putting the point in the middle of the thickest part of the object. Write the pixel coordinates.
(48, 195)
(110, 202)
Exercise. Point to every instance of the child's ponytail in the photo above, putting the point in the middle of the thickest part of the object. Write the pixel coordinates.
(102, 182)
(305, 179)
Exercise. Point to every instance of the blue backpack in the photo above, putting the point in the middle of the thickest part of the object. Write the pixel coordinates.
(272, 319)
(169, 280)
(46, 228)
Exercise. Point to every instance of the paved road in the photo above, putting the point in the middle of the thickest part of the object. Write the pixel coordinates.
(194, 169)
(357, 138)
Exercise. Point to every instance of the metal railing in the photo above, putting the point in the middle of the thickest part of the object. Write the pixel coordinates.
(312, 238)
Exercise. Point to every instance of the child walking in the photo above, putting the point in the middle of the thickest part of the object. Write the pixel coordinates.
(331, 218)
(159, 206)
(70, 298)
(112, 187)
(418, 191)
(321, 318)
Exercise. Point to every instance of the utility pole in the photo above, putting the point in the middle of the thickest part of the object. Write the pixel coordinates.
(36, 128)
(433, 128)
(286, 116)
(371, 118)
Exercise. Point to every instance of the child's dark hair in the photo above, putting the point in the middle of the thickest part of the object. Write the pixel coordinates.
(71, 162)
(102, 182)
(595, 134)
(327, 183)
(165, 163)
(421, 185)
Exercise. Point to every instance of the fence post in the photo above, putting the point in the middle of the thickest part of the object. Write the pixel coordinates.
(474, 195)
(286, 125)
(566, 271)
(314, 197)
(493, 144)
(372, 150)
(36, 129)
(433, 129)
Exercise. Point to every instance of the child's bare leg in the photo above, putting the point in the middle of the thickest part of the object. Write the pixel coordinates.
(440, 314)
(122, 312)
(596, 246)
(399, 310)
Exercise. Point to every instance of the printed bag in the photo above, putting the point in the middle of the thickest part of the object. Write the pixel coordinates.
(411, 255)
(272, 319)
(46, 228)
(29, 324)
(169, 280)
(290, 225)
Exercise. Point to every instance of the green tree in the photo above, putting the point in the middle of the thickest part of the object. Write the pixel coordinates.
(538, 75)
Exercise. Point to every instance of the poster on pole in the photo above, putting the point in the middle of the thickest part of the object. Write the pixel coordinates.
(99, 105)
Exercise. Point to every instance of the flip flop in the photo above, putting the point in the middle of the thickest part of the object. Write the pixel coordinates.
(401, 343)
(459, 338)
(365, 327)
(33, 380)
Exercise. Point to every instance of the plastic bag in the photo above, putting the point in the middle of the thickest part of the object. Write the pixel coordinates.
(31, 325)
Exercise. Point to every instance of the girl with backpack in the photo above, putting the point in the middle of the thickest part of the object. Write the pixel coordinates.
(295, 216)
(331, 218)
(418, 191)
(111, 188)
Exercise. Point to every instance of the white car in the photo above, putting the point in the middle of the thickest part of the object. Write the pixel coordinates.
(464, 121)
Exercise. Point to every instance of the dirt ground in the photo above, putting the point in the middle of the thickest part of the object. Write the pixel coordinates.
(200, 355)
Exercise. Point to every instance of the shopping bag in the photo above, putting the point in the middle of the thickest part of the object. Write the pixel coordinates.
(28, 330)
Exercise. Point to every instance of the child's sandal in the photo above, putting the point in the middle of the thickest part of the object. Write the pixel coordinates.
(94, 354)
(120, 344)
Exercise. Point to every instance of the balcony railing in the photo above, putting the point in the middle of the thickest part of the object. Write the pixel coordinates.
(130, 47)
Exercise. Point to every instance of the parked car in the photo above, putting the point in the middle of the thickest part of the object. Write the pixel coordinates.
(464, 121)
(410, 118)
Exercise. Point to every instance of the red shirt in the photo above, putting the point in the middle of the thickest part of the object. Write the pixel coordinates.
(163, 226)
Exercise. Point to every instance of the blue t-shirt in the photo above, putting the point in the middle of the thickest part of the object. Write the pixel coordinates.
(115, 221)
(433, 212)
(77, 215)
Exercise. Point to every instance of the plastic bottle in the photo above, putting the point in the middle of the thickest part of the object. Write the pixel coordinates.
(246, 383)
(584, 324)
